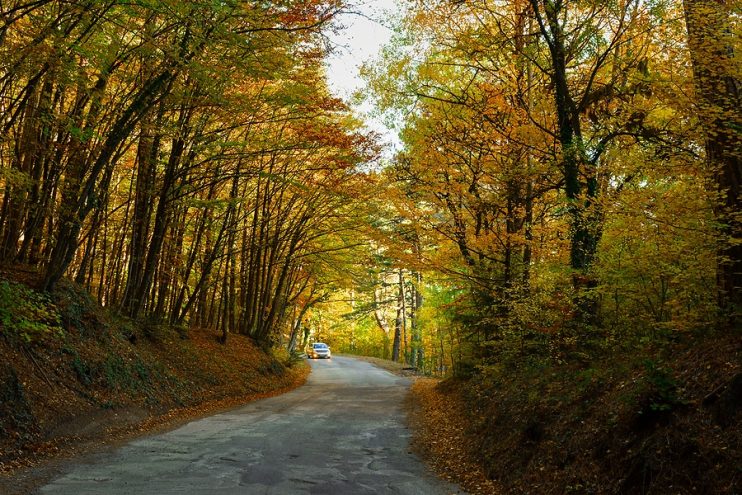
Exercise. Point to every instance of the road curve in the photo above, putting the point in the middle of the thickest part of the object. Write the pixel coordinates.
(341, 433)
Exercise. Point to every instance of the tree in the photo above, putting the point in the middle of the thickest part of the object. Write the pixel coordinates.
(184, 161)
(714, 51)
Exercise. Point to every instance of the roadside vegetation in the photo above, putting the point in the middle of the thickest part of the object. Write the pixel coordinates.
(74, 376)
(558, 236)
(171, 174)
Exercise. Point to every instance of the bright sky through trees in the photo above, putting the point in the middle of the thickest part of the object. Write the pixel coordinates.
(560, 214)
(364, 29)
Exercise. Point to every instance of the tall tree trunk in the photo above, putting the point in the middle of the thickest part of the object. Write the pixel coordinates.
(163, 216)
(418, 355)
(581, 194)
(716, 70)
(211, 256)
(202, 222)
(399, 322)
(380, 317)
(81, 183)
(147, 152)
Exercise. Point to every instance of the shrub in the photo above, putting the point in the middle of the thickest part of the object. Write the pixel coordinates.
(26, 314)
(664, 389)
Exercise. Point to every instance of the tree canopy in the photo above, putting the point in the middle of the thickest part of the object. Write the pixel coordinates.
(568, 178)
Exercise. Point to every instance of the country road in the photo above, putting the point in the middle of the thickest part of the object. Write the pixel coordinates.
(341, 433)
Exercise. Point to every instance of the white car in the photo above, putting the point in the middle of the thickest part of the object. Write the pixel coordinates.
(319, 350)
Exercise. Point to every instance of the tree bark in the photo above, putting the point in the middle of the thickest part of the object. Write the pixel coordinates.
(399, 322)
(716, 69)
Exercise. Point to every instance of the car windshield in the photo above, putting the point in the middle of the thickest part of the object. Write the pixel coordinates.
(320, 346)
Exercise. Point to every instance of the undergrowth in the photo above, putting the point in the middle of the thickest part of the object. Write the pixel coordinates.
(650, 420)
(26, 314)
(65, 361)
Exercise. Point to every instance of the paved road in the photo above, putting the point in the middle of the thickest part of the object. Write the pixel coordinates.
(341, 433)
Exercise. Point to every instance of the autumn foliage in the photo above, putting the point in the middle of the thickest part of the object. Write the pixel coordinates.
(559, 228)
(184, 161)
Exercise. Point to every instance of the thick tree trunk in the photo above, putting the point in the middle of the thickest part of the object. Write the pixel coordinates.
(716, 70)
(136, 297)
(78, 196)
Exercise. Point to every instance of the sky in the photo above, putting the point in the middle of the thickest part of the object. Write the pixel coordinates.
(360, 40)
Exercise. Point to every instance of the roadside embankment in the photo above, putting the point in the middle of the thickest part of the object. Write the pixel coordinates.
(74, 377)
(633, 424)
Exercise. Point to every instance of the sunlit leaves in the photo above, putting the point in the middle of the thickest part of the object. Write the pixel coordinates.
(529, 127)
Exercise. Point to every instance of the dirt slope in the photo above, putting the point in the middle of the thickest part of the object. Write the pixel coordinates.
(96, 378)
(667, 425)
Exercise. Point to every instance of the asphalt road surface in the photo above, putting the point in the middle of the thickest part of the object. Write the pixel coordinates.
(341, 433)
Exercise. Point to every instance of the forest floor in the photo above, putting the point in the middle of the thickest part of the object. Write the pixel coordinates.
(669, 424)
(99, 381)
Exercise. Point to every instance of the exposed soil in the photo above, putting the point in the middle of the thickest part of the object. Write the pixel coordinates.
(670, 425)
